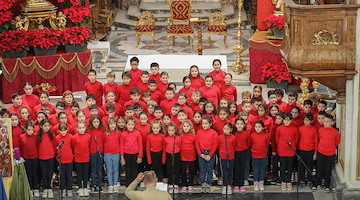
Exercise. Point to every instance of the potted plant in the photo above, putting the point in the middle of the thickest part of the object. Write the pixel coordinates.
(45, 41)
(14, 43)
(276, 24)
(75, 38)
(276, 75)
(78, 15)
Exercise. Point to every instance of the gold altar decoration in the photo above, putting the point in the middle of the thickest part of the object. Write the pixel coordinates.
(217, 25)
(6, 153)
(325, 37)
(199, 24)
(38, 11)
(316, 86)
(279, 6)
(46, 73)
(145, 25)
(305, 91)
(21, 23)
(238, 67)
(58, 21)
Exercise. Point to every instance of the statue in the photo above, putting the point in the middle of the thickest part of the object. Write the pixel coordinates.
(280, 6)
(58, 22)
(21, 24)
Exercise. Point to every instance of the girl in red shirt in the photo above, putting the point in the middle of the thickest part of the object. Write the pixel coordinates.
(41, 115)
(209, 109)
(257, 92)
(154, 147)
(29, 98)
(24, 115)
(196, 80)
(297, 120)
(144, 129)
(96, 130)
(221, 120)
(233, 110)
(242, 154)
(217, 73)
(68, 98)
(197, 121)
(187, 89)
(259, 141)
(171, 157)
(112, 145)
(65, 159)
(121, 124)
(28, 149)
(223, 103)
(228, 90)
(46, 151)
(16, 130)
(81, 146)
(188, 155)
(226, 146)
(80, 117)
(62, 119)
(44, 101)
(210, 90)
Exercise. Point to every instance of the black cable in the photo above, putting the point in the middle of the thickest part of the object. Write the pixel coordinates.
(227, 166)
(172, 168)
(97, 164)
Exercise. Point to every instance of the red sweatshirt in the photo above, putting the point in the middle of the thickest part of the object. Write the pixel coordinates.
(124, 93)
(187, 148)
(156, 96)
(107, 87)
(142, 86)
(66, 151)
(169, 143)
(329, 138)
(81, 146)
(13, 109)
(53, 119)
(95, 88)
(30, 100)
(283, 135)
(197, 82)
(268, 122)
(297, 122)
(227, 146)
(55, 129)
(187, 91)
(119, 110)
(112, 142)
(98, 133)
(37, 108)
(144, 131)
(308, 138)
(194, 106)
(211, 93)
(162, 87)
(155, 77)
(197, 127)
(281, 104)
(218, 125)
(16, 132)
(131, 143)
(46, 149)
(167, 104)
(86, 110)
(154, 143)
(135, 76)
(288, 107)
(242, 140)
(189, 111)
(259, 143)
(273, 138)
(28, 146)
(206, 140)
(229, 92)
(218, 77)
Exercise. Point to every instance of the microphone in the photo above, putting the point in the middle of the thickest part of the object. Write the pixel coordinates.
(60, 144)
(289, 143)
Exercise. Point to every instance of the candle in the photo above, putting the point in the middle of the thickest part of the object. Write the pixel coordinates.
(17, 153)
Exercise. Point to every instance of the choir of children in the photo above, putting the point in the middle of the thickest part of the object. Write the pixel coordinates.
(145, 124)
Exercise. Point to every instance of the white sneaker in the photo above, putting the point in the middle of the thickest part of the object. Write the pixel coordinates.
(203, 188)
(246, 183)
(208, 190)
(190, 189)
(116, 188)
(36, 193)
(261, 186)
(176, 189)
(111, 189)
(63, 193)
(50, 194)
(69, 193)
(256, 186)
(44, 194)
(86, 192)
(229, 189)
(81, 192)
(223, 190)
(171, 189)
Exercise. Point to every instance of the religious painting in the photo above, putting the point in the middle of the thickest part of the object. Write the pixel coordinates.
(6, 148)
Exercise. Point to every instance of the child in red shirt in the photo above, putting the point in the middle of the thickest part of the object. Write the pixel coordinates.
(135, 71)
(17, 103)
(144, 129)
(155, 75)
(53, 118)
(182, 100)
(257, 93)
(81, 146)
(158, 113)
(17, 130)
(29, 98)
(279, 96)
(223, 103)
(135, 98)
(259, 142)
(63, 119)
(154, 148)
(187, 88)
(44, 101)
(68, 98)
(196, 80)
(279, 117)
(221, 120)
(217, 73)
(155, 94)
(110, 96)
(187, 155)
(24, 116)
(226, 146)
(131, 150)
(255, 102)
(286, 135)
(123, 91)
(167, 103)
(144, 81)
(197, 120)
(308, 142)
(94, 87)
(210, 110)
(268, 121)
(292, 98)
(329, 138)
(112, 146)
(164, 82)
(210, 90)
(194, 102)
(65, 159)
(28, 149)
(297, 120)
(228, 90)
(110, 85)
(121, 126)
(233, 110)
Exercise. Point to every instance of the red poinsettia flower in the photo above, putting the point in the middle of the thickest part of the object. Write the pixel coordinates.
(76, 14)
(72, 2)
(75, 35)
(45, 38)
(6, 4)
(275, 21)
(5, 16)
(14, 40)
(276, 71)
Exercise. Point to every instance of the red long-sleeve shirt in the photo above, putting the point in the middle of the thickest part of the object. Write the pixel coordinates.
(187, 149)
(16, 132)
(144, 131)
(229, 92)
(124, 93)
(30, 100)
(308, 138)
(14, 109)
(283, 135)
(135, 76)
(197, 127)
(131, 143)
(98, 134)
(156, 96)
(211, 93)
(197, 82)
(154, 143)
(194, 106)
(218, 125)
(227, 146)
(37, 108)
(87, 112)
(162, 87)
(112, 142)
(66, 151)
(55, 129)
(53, 119)
(28, 146)
(167, 104)
(207, 140)
(329, 138)
(189, 111)
(218, 77)
(46, 149)
(95, 88)
(119, 110)
(297, 122)
(81, 146)
(242, 140)
(273, 138)
(187, 91)
(155, 77)
(107, 87)
(172, 144)
(259, 144)
(268, 123)
(288, 107)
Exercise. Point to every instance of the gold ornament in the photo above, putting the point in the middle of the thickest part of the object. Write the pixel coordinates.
(238, 67)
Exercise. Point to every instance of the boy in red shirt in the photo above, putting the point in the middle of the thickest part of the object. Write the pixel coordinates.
(94, 87)
(135, 98)
(307, 107)
(110, 85)
(308, 142)
(44, 101)
(124, 89)
(146, 96)
(292, 98)
(273, 99)
(90, 100)
(320, 119)
(158, 113)
(155, 75)
(255, 102)
(279, 95)
(167, 103)
(164, 82)
(275, 157)
(110, 96)
(17, 104)
(329, 138)
(135, 71)
(195, 100)
(155, 94)
(144, 81)
(321, 106)
(59, 107)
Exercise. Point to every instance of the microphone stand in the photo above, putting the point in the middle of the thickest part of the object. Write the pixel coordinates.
(227, 166)
(60, 171)
(302, 161)
(97, 164)
(172, 167)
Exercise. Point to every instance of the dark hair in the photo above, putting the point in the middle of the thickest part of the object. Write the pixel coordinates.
(322, 113)
(172, 83)
(240, 119)
(126, 73)
(288, 115)
(29, 123)
(279, 91)
(129, 107)
(134, 59)
(154, 64)
(4, 111)
(152, 81)
(308, 102)
(174, 126)
(127, 120)
(271, 92)
(110, 106)
(44, 92)
(135, 90)
(90, 96)
(144, 73)
(137, 106)
(169, 89)
(293, 94)
(231, 76)
(203, 99)
(237, 108)
(329, 117)
(182, 111)
(74, 104)
(207, 118)
(158, 108)
(63, 126)
(263, 106)
(209, 76)
(60, 104)
(143, 113)
(215, 61)
(95, 116)
(164, 73)
(40, 132)
(15, 94)
(323, 102)
(185, 78)
(229, 125)
(194, 66)
(309, 116)
(176, 105)
(256, 99)
(28, 83)
(92, 71)
(297, 108)
(281, 114)
(93, 107)
(167, 115)
(260, 122)
(260, 88)
(213, 104)
(61, 113)
(223, 109)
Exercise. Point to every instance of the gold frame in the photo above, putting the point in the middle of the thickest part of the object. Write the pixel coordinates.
(217, 19)
(171, 22)
(145, 18)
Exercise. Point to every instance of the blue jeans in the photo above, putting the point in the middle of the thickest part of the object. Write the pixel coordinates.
(112, 167)
(206, 168)
(259, 167)
(96, 163)
(227, 175)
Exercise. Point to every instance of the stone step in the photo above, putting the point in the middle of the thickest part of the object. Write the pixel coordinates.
(161, 7)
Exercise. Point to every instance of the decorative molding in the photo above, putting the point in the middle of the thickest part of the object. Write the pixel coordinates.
(324, 38)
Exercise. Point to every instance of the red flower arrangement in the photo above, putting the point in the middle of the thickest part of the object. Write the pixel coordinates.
(277, 72)
(72, 2)
(14, 40)
(5, 16)
(45, 38)
(6, 4)
(275, 21)
(77, 14)
(75, 35)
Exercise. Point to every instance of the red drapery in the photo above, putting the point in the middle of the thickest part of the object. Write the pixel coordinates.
(65, 71)
(264, 9)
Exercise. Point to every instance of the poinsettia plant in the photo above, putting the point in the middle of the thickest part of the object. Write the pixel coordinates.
(276, 71)
(78, 15)
(275, 21)
(6, 4)
(75, 35)
(14, 40)
(45, 38)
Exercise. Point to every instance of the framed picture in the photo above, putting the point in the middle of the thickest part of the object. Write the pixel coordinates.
(6, 148)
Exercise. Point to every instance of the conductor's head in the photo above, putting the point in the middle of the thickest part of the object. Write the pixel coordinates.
(150, 178)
